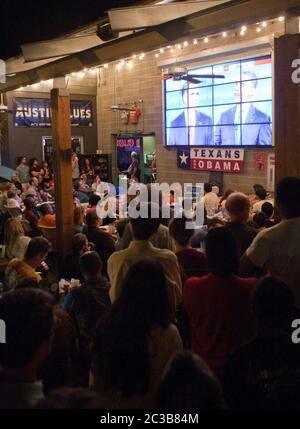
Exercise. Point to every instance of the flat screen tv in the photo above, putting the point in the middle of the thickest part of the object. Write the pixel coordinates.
(233, 111)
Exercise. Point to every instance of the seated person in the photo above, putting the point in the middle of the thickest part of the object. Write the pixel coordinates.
(261, 195)
(82, 196)
(192, 261)
(17, 269)
(105, 244)
(29, 318)
(93, 201)
(14, 239)
(78, 218)
(259, 221)
(70, 265)
(83, 185)
(31, 213)
(265, 372)
(16, 183)
(12, 200)
(268, 210)
(48, 219)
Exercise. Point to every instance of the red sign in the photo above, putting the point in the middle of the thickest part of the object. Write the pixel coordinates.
(128, 142)
(260, 161)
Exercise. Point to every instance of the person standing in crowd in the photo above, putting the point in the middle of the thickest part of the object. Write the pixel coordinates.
(135, 341)
(75, 167)
(210, 199)
(104, 243)
(12, 199)
(192, 261)
(133, 169)
(189, 384)
(17, 269)
(23, 172)
(35, 170)
(141, 248)
(265, 373)
(87, 304)
(14, 239)
(277, 250)
(28, 314)
(238, 207)
(219, 304)
(70, 265)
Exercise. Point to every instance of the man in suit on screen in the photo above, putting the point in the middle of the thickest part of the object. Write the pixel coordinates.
(244, 124)
(191, 127)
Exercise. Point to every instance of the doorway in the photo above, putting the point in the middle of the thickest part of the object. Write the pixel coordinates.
(77, 147)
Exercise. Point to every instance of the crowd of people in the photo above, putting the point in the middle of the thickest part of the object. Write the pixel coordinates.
(149, 313)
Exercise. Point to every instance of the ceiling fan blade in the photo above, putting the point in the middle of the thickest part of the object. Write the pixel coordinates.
(190, 79)
(208, 76)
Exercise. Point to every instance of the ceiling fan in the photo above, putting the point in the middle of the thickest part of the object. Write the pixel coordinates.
(181, 73)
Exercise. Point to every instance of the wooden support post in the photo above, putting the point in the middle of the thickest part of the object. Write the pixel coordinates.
(62, 151)
(287, 108)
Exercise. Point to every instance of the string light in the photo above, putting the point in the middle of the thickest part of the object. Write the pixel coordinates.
(185, 43)
(195, 42)
(206, 40)
(264, 24)
(258, 29)
(161, 51)
(73, 74)
(85, 69)
(281, 18)
(134, 56)
(244, 28)
(172, 50)
(156, 55)
(105, 66)
(179, 46)
(129, 64)
(224, 34)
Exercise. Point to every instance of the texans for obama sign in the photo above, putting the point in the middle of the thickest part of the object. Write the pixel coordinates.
(203, 159)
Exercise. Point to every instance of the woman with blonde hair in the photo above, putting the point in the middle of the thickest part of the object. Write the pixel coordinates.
(78, 219)
(14, 239)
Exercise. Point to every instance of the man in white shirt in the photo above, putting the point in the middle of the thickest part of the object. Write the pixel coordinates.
(141, 248)
(277, 249)
(211, 200)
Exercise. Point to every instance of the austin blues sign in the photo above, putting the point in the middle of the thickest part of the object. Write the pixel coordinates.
(36, 112)
(204, 159)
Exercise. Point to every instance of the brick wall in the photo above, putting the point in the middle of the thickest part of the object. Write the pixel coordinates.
(142, 82)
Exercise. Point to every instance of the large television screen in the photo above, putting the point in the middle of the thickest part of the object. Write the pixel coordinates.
(233, 111)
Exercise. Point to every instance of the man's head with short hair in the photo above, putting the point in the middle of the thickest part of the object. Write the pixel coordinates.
(79, 243)
(261, 193)
(37, 250)
(259, 220)
(29, 203)
(94, 200)
(45, 209)
(92, 219)
(238, 206)
(288, 197)
(207, 187)
(273, 303)
(268, 209)
(11, 194)
(144, 227)
(179, 232)
(90, 265)
(221, 252)
(28, 314)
